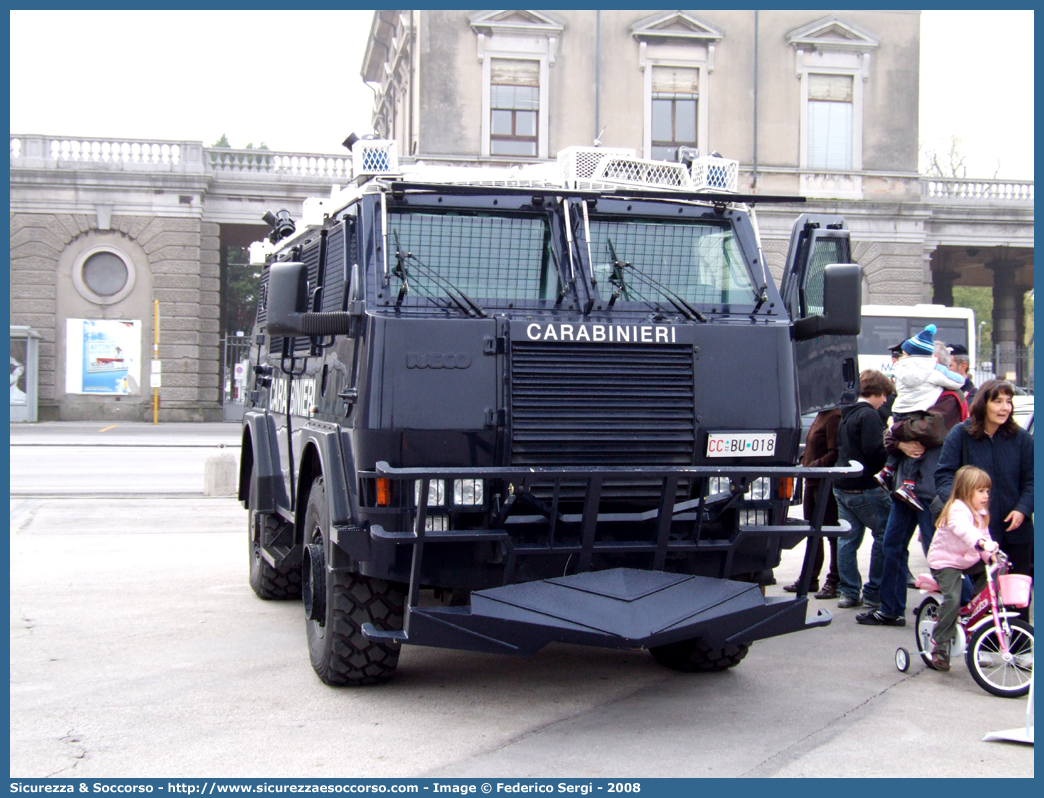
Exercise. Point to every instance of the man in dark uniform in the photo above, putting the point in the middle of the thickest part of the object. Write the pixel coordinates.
(960, 363)
(885, 410)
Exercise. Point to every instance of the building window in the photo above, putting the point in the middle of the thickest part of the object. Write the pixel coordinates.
(830, 115)
(516, 48)
(514, 100)
(103, 275)
(674, 99)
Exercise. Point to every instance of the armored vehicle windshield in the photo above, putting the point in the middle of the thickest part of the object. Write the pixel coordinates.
(486, 257)
(646, 260)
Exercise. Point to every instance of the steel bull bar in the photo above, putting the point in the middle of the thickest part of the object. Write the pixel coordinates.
(616, 608)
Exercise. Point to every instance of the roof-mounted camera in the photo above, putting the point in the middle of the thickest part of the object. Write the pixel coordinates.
(281, 223)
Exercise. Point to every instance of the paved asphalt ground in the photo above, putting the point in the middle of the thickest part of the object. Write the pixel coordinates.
(138, 649)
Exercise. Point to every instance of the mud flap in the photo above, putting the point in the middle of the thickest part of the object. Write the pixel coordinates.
(618, 608)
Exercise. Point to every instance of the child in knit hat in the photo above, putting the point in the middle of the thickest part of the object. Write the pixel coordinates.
(919, 381)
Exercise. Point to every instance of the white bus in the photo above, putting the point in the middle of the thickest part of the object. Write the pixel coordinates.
(884, 326)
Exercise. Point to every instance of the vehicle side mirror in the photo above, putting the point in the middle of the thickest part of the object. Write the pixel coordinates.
(355, 303)
(842, 302)
(287, 297)
(288, 312)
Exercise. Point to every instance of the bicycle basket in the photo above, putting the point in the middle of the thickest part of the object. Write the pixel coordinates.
(1015, 590)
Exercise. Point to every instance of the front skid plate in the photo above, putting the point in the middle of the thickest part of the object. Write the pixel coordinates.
(618, 608)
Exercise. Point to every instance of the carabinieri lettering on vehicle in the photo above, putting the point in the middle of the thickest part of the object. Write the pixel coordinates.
(602, 333)
(302, 395)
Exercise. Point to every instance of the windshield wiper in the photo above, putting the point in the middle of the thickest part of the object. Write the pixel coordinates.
(683, 307)
(617, 277)
(458, 297)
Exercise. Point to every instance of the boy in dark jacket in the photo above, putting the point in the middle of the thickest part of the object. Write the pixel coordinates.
(903, 518)
(860, 500)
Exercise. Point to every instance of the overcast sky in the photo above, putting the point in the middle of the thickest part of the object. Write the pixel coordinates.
(129, 74)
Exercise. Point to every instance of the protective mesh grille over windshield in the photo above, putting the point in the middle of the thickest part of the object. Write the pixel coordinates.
(700, 262)
(486, 257)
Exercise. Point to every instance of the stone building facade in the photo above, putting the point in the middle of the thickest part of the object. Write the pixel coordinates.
(812, 103)
(102, 230)
(157, 218)
(174, 260)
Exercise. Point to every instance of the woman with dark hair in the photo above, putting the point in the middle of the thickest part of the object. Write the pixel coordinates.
(991, 440)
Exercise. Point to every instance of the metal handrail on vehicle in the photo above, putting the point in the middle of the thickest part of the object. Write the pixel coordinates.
(667, 511)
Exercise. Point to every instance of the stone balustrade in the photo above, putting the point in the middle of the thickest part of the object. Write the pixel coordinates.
(268, 162)
(57, 152)
(115, 151)
(105, 154)
(954, 188)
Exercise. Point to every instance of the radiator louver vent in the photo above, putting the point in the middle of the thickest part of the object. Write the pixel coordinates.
(310, 258)
(333, 272)
(262, 297)
(578, 404)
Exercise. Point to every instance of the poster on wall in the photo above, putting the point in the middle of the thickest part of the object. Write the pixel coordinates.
(19, 347)
(103, 357)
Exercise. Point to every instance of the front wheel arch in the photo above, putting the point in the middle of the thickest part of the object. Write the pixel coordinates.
(246, 465)
(311, 469)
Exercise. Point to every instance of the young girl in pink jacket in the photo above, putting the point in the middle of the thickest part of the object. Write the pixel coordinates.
(961, 544)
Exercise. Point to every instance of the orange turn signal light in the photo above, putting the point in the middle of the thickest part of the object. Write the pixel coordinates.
(786, 488)
(383, 492)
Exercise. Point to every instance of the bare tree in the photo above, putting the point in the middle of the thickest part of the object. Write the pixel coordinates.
(948, 161)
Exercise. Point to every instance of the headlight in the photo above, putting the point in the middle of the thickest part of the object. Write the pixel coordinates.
(718, 485)
(436, 492)
(436, 523)
(467, 492)
(749, 517)
(760, 488)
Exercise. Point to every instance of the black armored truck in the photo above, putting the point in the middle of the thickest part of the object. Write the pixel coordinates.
(494, 409)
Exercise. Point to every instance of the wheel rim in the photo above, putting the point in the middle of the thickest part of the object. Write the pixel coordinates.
(314, 584)
(253, 526)
(1009, 675)
(255, 537)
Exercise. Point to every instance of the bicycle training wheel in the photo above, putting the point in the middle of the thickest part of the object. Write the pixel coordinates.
(902, 659)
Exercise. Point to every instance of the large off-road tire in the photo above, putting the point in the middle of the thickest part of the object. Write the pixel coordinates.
(695, 655)
(1009, 679)
(338, 603)
(267, 582)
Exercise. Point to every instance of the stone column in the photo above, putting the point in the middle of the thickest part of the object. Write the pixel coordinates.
(1022, 360)
(209, 332)
(926, 276)
(942, 288)
(1006, 299)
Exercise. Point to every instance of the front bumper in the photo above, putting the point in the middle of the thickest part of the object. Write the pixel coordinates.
(615, 607)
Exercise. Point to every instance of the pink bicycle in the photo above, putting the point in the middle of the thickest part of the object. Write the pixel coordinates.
(996, 644)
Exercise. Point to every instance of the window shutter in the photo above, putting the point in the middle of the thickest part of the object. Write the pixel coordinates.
(510, 72)
(675, 80)
(830, 88)
(829, 135)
